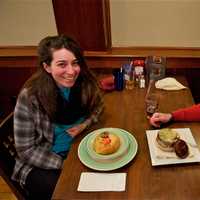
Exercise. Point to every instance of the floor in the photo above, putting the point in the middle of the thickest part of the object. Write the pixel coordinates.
(5, 192)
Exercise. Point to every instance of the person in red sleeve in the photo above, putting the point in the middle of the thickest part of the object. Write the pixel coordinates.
(185, 114)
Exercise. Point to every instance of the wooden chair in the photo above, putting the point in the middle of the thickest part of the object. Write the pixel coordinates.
(7, 156)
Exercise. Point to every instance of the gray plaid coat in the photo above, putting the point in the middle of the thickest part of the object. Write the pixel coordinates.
(33, 134)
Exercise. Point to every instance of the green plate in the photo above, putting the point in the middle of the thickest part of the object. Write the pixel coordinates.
(124, 144)
(107, 166)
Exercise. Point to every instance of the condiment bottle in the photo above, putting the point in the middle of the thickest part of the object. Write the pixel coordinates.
(138, 70)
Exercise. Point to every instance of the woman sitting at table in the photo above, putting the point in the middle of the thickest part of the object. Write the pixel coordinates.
(56, 104)
(185, 114)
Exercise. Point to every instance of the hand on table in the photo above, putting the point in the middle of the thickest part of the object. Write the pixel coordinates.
(75, 130)
(158, 118)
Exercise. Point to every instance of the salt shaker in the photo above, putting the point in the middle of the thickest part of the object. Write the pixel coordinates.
(142, 82)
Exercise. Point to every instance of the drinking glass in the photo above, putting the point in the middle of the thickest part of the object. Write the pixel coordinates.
(151, 103)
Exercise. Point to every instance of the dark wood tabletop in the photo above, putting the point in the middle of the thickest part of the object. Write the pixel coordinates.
(126, 110)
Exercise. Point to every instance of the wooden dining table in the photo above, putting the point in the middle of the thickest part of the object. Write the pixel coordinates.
(126, 110)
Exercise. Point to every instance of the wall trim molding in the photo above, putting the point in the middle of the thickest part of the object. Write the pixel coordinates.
(15, 51)
(25, 56)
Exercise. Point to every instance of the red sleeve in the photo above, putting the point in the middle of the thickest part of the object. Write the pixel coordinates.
(187, 114)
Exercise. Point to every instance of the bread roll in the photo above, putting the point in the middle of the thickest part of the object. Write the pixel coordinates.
(106, 143)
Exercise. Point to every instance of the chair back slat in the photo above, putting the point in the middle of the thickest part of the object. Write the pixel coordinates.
(8, 154)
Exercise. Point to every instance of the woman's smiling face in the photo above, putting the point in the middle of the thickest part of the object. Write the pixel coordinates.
(64, 67)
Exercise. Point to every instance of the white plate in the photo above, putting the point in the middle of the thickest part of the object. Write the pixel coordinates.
(168, 158)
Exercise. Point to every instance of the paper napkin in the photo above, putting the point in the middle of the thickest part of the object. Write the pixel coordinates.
(169, 83)
(93, 182)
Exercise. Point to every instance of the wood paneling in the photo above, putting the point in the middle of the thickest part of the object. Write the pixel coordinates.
(11, 80)
(18, 62)
(86, 21)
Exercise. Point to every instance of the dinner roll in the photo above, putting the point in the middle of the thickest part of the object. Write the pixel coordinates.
(106, 143)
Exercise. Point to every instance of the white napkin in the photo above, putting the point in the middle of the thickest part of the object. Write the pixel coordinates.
(92, 182)
(169, 83)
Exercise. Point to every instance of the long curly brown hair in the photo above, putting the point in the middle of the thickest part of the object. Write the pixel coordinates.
(43, 86)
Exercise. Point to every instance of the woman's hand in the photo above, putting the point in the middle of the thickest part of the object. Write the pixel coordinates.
(75, 130)
(159, 118)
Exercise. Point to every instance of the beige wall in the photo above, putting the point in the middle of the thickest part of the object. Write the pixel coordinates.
(171, 23)
(25, 22)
